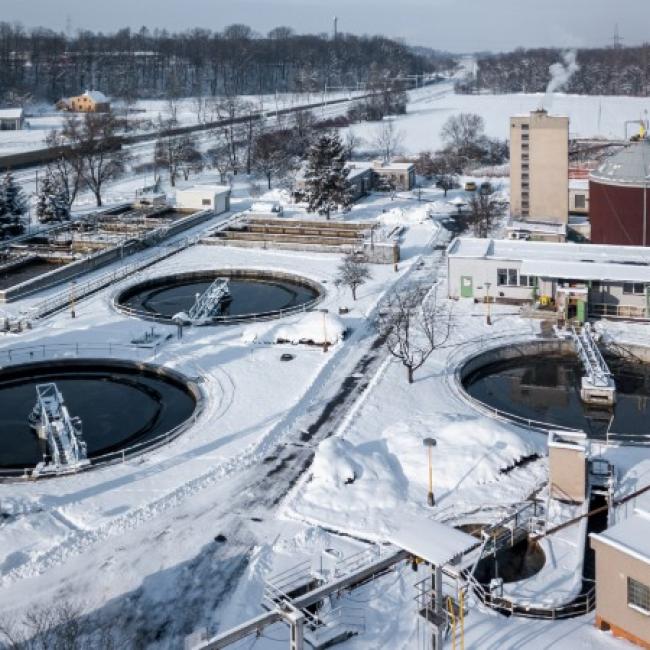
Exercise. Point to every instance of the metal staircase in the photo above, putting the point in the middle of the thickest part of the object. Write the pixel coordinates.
(52, 422)
(598, 386)
(211, 301)
(594, 364)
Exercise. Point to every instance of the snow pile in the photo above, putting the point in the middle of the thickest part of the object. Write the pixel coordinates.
(402, 217)
(313, 327)
(357, 487)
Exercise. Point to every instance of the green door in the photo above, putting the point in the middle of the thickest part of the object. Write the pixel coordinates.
(580, 311)
(466, 286)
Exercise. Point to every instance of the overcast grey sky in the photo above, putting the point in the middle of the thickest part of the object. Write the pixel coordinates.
(455, 25)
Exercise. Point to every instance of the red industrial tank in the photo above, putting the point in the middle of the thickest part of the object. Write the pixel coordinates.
(619, 198)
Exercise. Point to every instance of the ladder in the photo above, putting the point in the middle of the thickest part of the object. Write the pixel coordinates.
(210, 301)
(52, 422)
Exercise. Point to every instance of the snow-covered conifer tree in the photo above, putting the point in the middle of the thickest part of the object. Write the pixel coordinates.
(326, 186)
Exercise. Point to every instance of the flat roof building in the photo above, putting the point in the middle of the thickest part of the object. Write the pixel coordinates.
(539, 167)
(11, 119)
(571, 280)
(204, 197)
(623, 576)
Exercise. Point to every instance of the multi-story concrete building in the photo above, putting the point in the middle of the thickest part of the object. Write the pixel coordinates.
(539, 167)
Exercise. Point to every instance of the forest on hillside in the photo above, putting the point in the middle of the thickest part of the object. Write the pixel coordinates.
(41, 64)
(601, 71)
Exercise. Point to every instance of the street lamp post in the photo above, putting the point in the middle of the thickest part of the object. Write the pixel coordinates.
(488, 318)
(430, 443)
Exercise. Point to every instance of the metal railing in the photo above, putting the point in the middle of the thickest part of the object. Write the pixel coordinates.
(65, 297)
(17, 356)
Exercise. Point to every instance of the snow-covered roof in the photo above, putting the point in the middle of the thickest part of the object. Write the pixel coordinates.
(11, 113)
(357, 169)
(550, 252)
(579, 184)
(631, 536)
(378, 165)
(201, 188)
(631, 166)
(586, 271)
(97, 96)
(430, 540)
(538, 226)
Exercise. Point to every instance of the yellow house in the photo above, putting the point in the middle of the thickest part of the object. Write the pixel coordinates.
(92, 101)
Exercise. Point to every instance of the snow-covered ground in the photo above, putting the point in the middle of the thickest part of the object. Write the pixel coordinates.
(429, 108)
(183, 537)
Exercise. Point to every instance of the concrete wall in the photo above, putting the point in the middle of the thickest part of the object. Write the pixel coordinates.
(482, 271)
(613, 567)
(546, 144)
(203, 199)
(573, 194)
(567, 473)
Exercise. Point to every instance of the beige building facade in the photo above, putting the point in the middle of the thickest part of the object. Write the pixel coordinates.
(567, 465)
(539, 167)
(623, 578)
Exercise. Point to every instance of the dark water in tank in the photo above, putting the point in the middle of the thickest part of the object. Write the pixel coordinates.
(547, 388)
(117, 408)
(248, 296)
(517, 562)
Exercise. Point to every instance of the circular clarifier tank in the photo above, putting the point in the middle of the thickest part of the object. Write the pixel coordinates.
(124, 407)
(541, 383)
(251, 295)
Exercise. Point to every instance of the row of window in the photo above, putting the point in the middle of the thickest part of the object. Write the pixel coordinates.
(638, 594)
(629, 288)
(512, 278)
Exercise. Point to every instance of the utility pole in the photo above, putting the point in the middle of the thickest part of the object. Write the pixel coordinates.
(617, 40)
(336, 27)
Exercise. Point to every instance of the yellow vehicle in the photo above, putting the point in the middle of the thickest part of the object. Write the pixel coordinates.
(470, 186)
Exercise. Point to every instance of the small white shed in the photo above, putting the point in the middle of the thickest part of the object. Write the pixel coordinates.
(204, 197)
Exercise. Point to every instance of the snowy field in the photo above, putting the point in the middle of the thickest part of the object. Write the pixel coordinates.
(429, 108)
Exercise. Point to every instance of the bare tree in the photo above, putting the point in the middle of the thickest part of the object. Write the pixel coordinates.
(94, 140)
(460, 132)
(484, 211)
(388, 139)
(219, 154)
(178, 155)
(61, 626)
(353, 272)
(413, 325)
(271, 155)
(351, 142)
(65, 169)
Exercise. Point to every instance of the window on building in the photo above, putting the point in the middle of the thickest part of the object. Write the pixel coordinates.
(502, 277)
(206, 202)
(512, 277)
(580, 201)
(634, 288)
(525, 127)
(526, 280)
(638, 595)
(524, 167)
(525, 137)
(524, 146)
